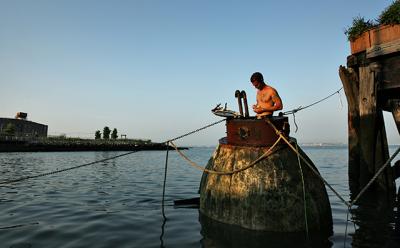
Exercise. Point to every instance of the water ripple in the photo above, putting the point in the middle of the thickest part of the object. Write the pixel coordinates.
(118, 203)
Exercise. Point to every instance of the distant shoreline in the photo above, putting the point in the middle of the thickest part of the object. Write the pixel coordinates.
(75, 145)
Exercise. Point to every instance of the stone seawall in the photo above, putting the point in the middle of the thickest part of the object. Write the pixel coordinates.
(66, 146)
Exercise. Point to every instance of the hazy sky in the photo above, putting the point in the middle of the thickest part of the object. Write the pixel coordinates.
(154, 69)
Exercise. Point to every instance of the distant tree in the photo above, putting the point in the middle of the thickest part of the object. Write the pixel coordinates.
(106, 133)
(97, 134)
(114, 134)
(9, 129)
(62, 136)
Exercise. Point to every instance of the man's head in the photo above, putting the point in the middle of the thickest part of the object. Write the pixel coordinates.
(257, 80)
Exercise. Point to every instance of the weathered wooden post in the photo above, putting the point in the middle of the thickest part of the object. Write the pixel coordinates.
(371, 82)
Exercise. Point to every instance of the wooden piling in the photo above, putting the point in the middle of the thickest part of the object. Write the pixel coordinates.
(371, 83)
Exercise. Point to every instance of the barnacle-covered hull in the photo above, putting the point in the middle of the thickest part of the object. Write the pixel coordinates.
(267, 196)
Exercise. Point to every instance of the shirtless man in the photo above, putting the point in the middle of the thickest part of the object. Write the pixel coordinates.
(268, 99)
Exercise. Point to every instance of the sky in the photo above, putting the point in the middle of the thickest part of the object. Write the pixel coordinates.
(154, 69)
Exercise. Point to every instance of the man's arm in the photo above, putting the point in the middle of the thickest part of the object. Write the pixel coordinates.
(277, 101)
(272, 100)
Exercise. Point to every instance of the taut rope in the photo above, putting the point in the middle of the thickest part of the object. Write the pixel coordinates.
(266, 154)
(307, 163)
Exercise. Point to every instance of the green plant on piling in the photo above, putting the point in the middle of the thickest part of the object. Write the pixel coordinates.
(359, 26)
(391, 15)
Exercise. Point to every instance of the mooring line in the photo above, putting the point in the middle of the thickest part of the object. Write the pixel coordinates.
(100, 161)
(348, 204)
(304, 193)
(195, 131)
(165, 182)
(307, 163)
(312, 104)
(264, 155)
(375, 177)
(294, 111)
(66, 169)
(166, 169)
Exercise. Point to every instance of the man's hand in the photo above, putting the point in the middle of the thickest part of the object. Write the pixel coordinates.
(258, 109)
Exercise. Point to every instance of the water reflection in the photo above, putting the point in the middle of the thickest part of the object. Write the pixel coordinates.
(216, 234)
(376, 224)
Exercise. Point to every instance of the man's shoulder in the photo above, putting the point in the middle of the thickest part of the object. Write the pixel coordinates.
(269, 89)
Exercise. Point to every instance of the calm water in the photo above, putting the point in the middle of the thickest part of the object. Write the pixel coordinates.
(118, 203)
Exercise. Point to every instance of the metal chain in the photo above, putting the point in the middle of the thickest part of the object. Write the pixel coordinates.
(62, 170)
(195, 131)
(102, 160)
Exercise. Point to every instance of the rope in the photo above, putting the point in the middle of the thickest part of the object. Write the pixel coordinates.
(165, 181)
(66, 169)
(308, 164)
(340, 100)
(375, 176)
(348, 204)
(304, 192)
(267, 153)
(294, 121)
(166, 169)
(312, 104)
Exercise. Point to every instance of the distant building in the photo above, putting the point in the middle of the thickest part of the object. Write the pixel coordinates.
(23, 127)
